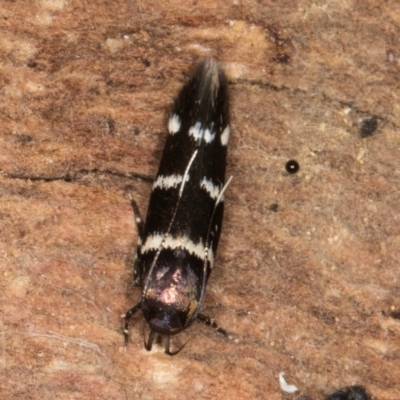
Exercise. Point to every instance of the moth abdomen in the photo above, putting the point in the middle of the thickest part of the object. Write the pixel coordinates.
(180, 238)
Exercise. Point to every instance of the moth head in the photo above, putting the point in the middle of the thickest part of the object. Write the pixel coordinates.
(170, 300)
(164, 318)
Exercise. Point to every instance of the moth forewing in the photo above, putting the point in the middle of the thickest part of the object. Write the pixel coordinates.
(176, 252)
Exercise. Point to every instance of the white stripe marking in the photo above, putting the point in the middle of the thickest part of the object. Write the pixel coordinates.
(212, 189)
(157, 241)
(174, 124)
(186, 175)
(225, 136)
(153, 242)
(167, 182)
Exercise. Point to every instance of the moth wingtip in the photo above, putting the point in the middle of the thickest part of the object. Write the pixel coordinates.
(211, 64)
(209, 69)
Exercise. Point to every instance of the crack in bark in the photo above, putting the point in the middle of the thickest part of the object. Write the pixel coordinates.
(71, 177)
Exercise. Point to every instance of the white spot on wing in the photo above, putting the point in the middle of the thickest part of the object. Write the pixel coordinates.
(285, 386)
(167, 182)
(208, 136)
(154, 242)
(196, 131)
(174, 124)
(225, 136)
(213, 190)
(199, 134)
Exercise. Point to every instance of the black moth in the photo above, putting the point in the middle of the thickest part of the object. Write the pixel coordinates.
(178, 243)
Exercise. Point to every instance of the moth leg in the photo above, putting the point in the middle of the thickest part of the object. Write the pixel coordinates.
(138, 218)
(137, 272)
(148, 345)
(127, 318)
(210, 322)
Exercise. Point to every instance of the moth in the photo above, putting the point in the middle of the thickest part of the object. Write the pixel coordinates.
(178, 243)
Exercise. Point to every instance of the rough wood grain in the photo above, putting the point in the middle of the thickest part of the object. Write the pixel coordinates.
(310, 288)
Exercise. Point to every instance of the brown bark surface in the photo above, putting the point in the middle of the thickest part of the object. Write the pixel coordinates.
(309, 287)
